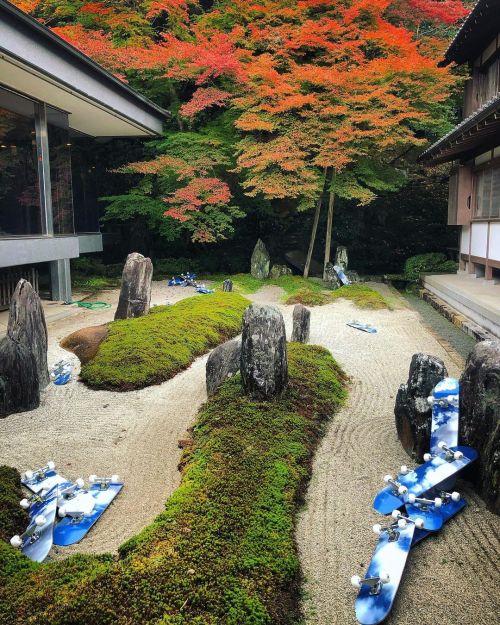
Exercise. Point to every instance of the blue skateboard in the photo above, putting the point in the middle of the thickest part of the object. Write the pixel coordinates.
(85, 510)
(60, 373)
(445, 414)
(378, 588)
(364, 327)
(447, 511)
(44, 478)
(341, 275)
(36, 541)
(425, 477)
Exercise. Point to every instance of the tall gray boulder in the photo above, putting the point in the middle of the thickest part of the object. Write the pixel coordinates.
(264, 364)
(223, 363)
(259, 264)
(341, 257)
(412, 410)
(301, 324)
(19, 386)
(331, 279)
(479, 425)
(27, 327)
(135, 292)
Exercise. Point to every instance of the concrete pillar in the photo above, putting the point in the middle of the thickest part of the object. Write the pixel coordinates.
(60, 277)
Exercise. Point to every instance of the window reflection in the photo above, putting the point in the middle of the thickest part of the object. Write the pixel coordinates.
(60, 171)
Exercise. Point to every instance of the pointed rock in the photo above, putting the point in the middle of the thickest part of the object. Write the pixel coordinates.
(223, 363)
(341, 257)
(301, 324)
(259, 265)
(19, 387)
(135, 293)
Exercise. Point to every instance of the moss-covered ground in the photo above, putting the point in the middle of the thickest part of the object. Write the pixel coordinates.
(361, 295)
(223, 551)
(13, 519)
(149, 350)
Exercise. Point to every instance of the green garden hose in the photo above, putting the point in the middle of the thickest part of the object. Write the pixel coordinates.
(93, 305)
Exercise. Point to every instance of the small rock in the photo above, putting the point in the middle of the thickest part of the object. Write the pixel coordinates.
(279, 270)
(227, 286)
(223, 362)
(135, 292)
(301, 324)
(341, 257)
(19, 385)
(259, 265)
(353, 276)
(412, 412)
(331, 279)
(84, 343)
(264, 363)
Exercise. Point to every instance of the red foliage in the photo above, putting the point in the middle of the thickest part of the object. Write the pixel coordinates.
(204, 98)
(197, 193)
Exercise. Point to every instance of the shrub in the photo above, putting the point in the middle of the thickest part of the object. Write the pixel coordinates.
(428, 263)
(223, 551)
(149, 350)
(165, 268)
(13, 519)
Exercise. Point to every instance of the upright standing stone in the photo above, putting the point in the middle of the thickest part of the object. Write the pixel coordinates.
(135, 293)
(223, 363)
(341, 257)
(19, 387)
(279, 270)
(259, 265)
(227, 286)
(479, 424)
(331, 279)
(264, 364)
(27, 326)
(301, 324)
(412, 410)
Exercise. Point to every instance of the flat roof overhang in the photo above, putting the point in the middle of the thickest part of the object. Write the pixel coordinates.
(476, 134)
(36, 62)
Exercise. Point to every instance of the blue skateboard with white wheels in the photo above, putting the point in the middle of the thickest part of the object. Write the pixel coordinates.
(341, 275)
(364, 327)
(81, 513)
(447, 512)
(445, 413)
(44, 478)
(429, 475)
(61, 372)
(36, 541)
(378, 588)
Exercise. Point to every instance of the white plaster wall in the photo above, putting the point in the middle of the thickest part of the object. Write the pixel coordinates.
(495, 241)
(479, 239)
(464, 239)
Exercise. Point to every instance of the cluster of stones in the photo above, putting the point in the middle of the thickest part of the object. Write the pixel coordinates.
(479, 424)
(260, 355)
(260, 264)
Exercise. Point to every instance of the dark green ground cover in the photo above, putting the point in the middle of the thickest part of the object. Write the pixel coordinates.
(149, 350)
(223, 551)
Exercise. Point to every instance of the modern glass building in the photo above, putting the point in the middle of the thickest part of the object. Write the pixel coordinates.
(54, 102)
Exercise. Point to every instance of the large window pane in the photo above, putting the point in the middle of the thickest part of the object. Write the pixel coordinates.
(60, 171)
(488, 193)
(85, 195)
(20, 212)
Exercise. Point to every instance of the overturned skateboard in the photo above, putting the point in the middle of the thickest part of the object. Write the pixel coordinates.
(429, 475)
(445, 414)
(44, 478)
(36, 541)
(431, 510)
(80, 513)
(448, 511)
(341, 275)
(378, 588)
(364, 327)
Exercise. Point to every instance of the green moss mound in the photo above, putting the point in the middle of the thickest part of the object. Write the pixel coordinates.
(246, 283)
(361, 295)
(149, 350)
(223, 551)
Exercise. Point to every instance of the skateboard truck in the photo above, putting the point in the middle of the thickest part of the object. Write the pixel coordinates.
(399, 488)
(443, 402)
(450, 454)
(33, 533)
(103, 482)
(392, 531)
(375, 583)
(425, 503)
(447, 497)
(404, 520)
(71, 491)
(39, 474)
(34, 498)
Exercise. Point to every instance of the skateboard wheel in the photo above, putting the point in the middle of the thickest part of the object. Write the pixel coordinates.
(404, 469)
(438, 502)
(385, 578)
(402, 523)
(62, 511)
(395, 514)
(16, 541)
(28, 475)
(411, 498)
(377, 528)
(387, 478)
(402, 490)
(455, 496)
(457, 455)
(80, 483)
(92, 478)
(51, 465)
(355, 580)
(441, 444)
(40, 520)
(419, 523)
(430, 400)
(115, 478)
(427, 457)
(24, 503)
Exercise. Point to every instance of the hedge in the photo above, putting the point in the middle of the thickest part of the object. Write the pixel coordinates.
(223, 551)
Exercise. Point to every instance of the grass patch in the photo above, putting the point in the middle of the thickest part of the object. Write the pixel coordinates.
(246, 283)
(149, 350)
(361, 295)
(223, 551)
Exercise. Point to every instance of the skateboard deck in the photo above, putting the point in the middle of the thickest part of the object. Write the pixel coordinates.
(364, 327)
(423, 478)
(390, 558)
(448, 511)
(71, 530)
(341, 275)
(37, 545)
(43, 479)
(445, 414)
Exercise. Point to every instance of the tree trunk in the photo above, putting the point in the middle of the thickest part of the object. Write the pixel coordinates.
(329, 222)
(314, 231)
